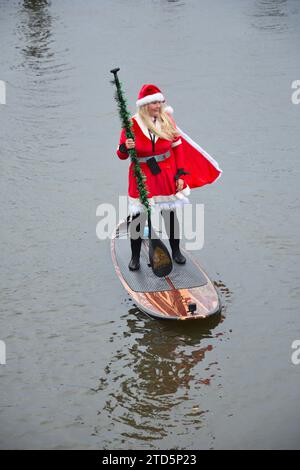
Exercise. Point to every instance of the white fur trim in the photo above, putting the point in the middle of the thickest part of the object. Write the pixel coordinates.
(169, 109)
(183, 193)
(150, 98)
(136, 208)
(143, 127)
(172, 204)
(160, 202)
(178, 142)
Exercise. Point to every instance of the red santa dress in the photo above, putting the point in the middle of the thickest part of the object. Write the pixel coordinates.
(185, 154)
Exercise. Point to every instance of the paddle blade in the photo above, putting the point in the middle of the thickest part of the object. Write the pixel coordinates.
(160, 259)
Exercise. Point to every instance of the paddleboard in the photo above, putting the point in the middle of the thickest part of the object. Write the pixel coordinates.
(186, 293)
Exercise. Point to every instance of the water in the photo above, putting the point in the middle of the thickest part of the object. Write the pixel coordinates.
(85, 368)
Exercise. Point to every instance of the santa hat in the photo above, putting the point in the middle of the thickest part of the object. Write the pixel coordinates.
(150, 93)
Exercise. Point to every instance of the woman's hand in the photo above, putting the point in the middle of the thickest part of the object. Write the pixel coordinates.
(179, 184)
(130, 143)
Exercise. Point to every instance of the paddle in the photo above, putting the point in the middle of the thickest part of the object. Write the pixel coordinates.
(159, 257)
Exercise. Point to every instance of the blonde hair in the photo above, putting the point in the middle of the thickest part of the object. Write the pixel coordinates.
(168, 130)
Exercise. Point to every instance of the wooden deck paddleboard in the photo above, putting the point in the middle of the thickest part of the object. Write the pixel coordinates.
(185, 294)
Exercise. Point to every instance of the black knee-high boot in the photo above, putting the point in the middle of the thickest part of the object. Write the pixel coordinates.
(137, 224)
(172, 229)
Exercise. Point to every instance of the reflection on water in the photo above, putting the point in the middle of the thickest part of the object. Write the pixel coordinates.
(35, 29)
(154, 381)
(40, 99)
(224, 291)
(270, 15)
(176, 2)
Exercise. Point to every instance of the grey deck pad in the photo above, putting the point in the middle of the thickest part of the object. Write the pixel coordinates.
(182, 276)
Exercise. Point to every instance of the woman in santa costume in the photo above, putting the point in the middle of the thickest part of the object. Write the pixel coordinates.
(172, 164)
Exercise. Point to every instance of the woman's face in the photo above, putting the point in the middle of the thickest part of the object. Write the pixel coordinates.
(154, 108)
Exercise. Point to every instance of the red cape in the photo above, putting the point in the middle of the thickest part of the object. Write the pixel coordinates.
(202, 167)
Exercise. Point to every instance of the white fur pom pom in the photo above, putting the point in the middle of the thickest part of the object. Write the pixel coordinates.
(169, 109)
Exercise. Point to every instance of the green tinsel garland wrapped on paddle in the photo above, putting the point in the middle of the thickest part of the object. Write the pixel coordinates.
(127, 124)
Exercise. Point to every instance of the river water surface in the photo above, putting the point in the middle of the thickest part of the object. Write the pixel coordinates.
(84, 368)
